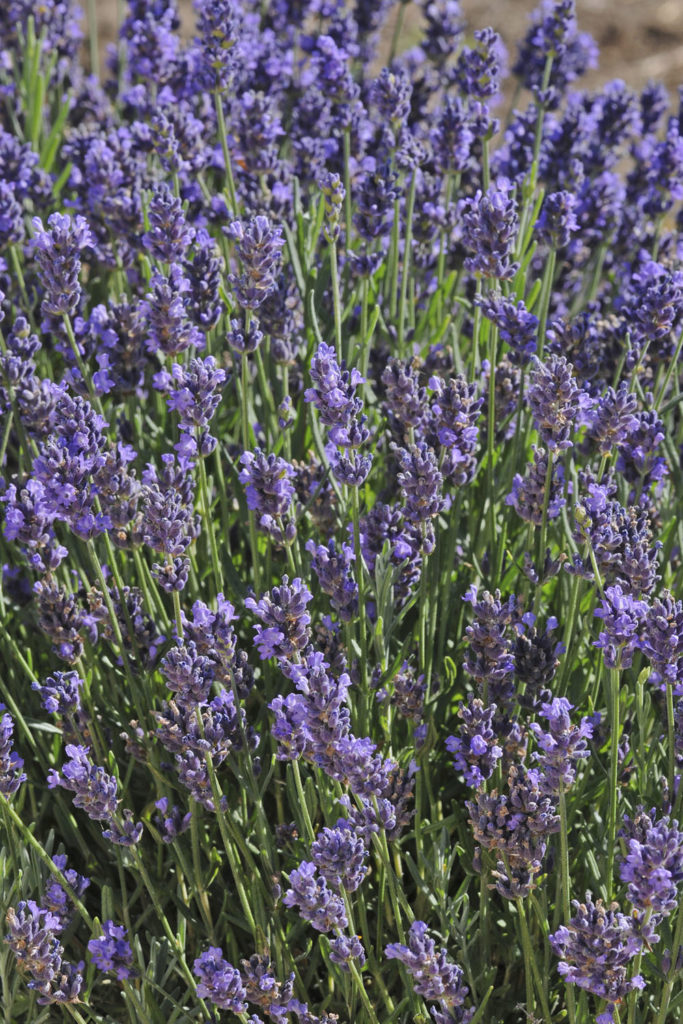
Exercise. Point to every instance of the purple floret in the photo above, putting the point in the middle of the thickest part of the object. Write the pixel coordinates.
(340, 856)
(475, 749)
(95, 791)
(57, 251)
(653, 865)
(561, 746)
(434, 976)
(112, 952)
(219, 981)
(622, 619)
(595, 948)
(315, 902)
(489, 230)
(11, 775)
(282, 610)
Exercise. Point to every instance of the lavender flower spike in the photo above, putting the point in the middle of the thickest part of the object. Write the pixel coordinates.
(258, 246)
(316, 903)
(595, 949)
(653, 866)
(219, 981)
(57, 251)
(11, 775)
(286, 622)
(489, 229)
(95, 790)
(434, 976)
(112, 952)
(622, 616)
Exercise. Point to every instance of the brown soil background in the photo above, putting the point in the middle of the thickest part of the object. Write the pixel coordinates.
(639, 40)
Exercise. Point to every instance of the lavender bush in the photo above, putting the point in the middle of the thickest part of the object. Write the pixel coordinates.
(341, 459)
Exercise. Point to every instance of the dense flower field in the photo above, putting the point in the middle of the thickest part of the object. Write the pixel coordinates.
(341, 475)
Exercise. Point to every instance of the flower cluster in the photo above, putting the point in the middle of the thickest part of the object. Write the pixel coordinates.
(33, 938)
(96, 793)
(435, 977)
(595, 948)
(340, 442)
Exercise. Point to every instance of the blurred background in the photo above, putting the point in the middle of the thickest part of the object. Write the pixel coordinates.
(638, 39)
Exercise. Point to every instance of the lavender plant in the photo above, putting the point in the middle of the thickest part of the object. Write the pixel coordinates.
(340, 475)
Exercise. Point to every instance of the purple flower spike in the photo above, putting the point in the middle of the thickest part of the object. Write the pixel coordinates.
(343, 949)
(333, 392)
(258, 246)
(270, 491)
(112, 952)
(218, 24)
(489, 230)
(479, 69)
(196, 393)
(219, 981)
(58, 254)
(315, 902)
(557, 221)
(622, 617)
(421, 482)
(475, 750)
(662, 640)
(340, 855)
(595, 949)
(653, 866)
(518, 824)
(32, 938)
(55, 898)
(333, 569)
(60, 694)
(435, 977)
(561, 746)
(527, 496)
(11, 775)
(554, 33)
(169, 234)
(171, 823)
(95, 790)
(555, 401)
(286, 622)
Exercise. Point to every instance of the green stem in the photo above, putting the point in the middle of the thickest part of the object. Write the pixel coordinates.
(674, 973)
(490, 441)
(669, 371)
(633, 994)
(566, 888)
(347, 187)
(360, 987)
(526, 951)
(544, 528)
(360, 580)
(530, 961)
(336, 302)
(28, 836)
(396, 34)
(310, 831)
(405, 270)
(207, 522)
(168, 931)
(223, 138)
(246, 432)
(116, 630)
(546, 292)
(93, 38)
(87, 380)
(671, 742)
(613, 778)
